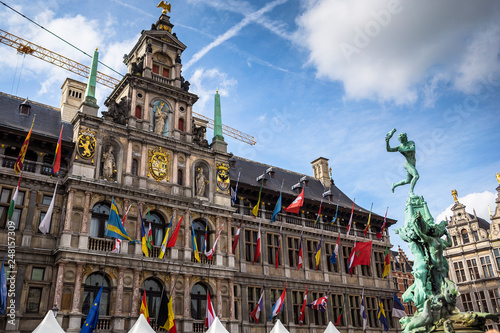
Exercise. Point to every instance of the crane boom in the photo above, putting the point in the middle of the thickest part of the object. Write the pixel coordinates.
(25, 47)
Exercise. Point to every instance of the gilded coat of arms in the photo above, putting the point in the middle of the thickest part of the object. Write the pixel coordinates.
(222, 176)
(85, 146)
(158, 164)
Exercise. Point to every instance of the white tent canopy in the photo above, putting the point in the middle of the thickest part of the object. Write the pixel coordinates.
(49, 324)
(217, 327)
(331, 329)
(141, 326)
(279, 328)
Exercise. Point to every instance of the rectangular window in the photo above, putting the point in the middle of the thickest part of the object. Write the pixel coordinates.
(473, 270)
(346, 252)
(329, 248)
(495, 299)
(454, 238)
(405, 284)
(497, 257)
(312, 245)
(275, 294)
(476, 236)
(156, 69)
(409, 308)
(253, 300)
(379, 263)
(34, 298)
(319, 317)
(467, 302)
(297, 300)
(388, 311)
(273, 244)
(251, 245)
(337, 305)
(487, 267)
(355, 306)
(46, 199)
(481, 300)
(37, 273)
(371, 311)
(396, 283)
(459, 271)
(166, 72)
(293, 251)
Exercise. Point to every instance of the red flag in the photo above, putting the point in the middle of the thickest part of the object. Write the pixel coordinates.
(173, 239)
(338, 318)
(294, 207)
(256, 312)
(210, 317)
(303, 308)
(257, 248)
(144, 307)
(57, 158)
(235, 243)
(24, 148)
(360, 255)
(381, 232)
(301, 254)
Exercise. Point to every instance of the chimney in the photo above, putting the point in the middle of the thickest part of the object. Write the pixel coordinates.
(320, 171)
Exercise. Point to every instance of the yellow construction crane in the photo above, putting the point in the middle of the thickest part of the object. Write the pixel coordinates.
(25, 47)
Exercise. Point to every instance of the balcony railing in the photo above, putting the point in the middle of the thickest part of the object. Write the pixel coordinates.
(101, 244)
(198, 326)
(103, 324)
(203, 259)
(30, 166)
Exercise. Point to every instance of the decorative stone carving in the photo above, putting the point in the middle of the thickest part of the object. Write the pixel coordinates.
(109, 165)
(199, 136)
(201, 182)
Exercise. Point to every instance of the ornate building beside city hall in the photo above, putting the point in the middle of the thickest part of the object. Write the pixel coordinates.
(148, 153)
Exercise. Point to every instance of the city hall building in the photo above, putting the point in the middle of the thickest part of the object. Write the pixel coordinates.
(149, 154)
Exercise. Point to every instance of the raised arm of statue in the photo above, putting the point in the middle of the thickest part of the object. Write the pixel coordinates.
(387, 138)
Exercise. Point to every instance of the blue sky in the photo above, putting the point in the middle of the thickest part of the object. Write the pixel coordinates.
(312, 78)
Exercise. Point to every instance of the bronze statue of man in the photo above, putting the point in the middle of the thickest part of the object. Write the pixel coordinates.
(407, 149)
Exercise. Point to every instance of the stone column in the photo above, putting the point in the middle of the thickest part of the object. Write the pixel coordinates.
(174, 251)
(83, 238)
(59, 285)
(229, 223)
(174, 168)
(119, 292)
(78, 288)
(219, 257)
(189, 182)
(218, 283)
(135, 294)
(187, 234)
(187, 297)
(28, 228)
(69, 210)
(231, 300)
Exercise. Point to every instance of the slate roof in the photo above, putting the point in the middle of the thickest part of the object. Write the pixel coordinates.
(483, 224)
(47, 123)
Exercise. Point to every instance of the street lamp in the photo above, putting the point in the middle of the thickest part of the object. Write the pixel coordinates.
(55, 310)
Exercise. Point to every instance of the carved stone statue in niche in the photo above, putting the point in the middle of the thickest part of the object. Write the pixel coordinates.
(201, 182)
(199, 136)
(160, 122)
(109, 165)
(118, 111)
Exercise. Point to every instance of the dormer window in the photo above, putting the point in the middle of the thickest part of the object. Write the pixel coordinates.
(25, 107)
(465, 236)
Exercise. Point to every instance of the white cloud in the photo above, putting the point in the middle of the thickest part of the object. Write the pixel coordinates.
(473, 201)
(386, 49)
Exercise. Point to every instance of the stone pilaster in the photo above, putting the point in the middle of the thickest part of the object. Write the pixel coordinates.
(119, 292)
(187, 235)
(78, 288)
(84, 234)
(135, 294)
(218, 283)
(231, 300)
(187, 296)
(65, 240)
(138, 235)
(59, 285)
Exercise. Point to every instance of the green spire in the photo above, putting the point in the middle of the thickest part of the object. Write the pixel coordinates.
(217, 118)
(90, 91)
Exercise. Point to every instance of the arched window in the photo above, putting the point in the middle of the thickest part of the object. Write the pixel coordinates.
(153, 296)
(465, 236)
(158, 227)
(100, 217)
(92, 285)
(135, 166)
(199, 233)
(198, 301)
(179, 177)
(138, 112)
(181, 124)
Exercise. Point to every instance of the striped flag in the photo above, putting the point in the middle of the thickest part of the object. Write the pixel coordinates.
(398, 310)
(195, 246)
(320, 303)
(13, 201)
(319, 212)
(300, 258)
(335, 255)
(257, 248)
(210, 253)
(236, 237)
(144, 237)
(363, 309)
(118, 242)
(350, 219)
(381, 232)
(387, 263)
(144, 306)
(302, 313)
(57, 158)
(210, 317)
(164, 243)
(24, 148)
(336, 212)
(278, 305)
(255, 314)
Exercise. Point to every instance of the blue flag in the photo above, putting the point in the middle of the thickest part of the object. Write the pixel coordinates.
(381, 315)
(3, 288)
(277, 209)
(115, 227)
(93, 316)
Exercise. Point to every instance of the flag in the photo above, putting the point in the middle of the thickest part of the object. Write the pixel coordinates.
(317, 256)
(44, 226)
(387, 263)
(278, 305)
(363, 309)
(235, 191)
(302, 313)
(277, 262)
(319, 212)
(3, 287)
(24, 148)
(93, 316)
(118, 242)
(255, 314)
(149, 240)
(171, 318)
(381, 232)
(144, 240)
(210, 317)
(171, 242)
(319, 304)
(13, 201)
(335, 255)
(300, 258)
(255, 209)
(204, 247)
(339, 317)
(210, 253)
(368, 223)
(398, 310)
(164, 243)
(381, 316)
(115, 228)
(360, 255)
(350, 219)
(277, 209)
(236, 237)
(144, 307)
(56, 165)
(162, 318)
(294, 207)
(336, 212)
(195, 246)
(257, 248)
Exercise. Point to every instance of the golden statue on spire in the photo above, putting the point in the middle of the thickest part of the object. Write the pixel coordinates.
(165, 7)
(498, 177)
(454, 194)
